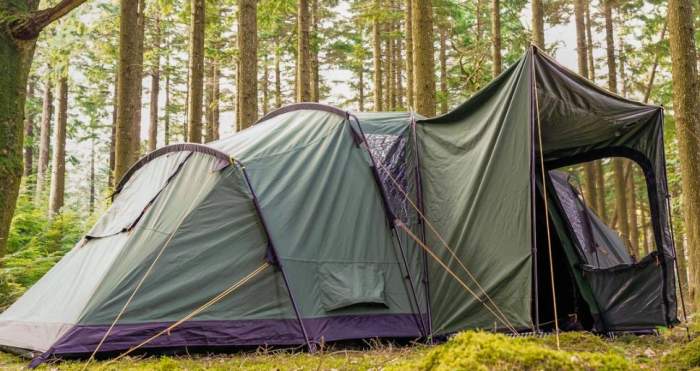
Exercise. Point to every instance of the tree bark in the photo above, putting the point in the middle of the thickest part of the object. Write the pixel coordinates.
(129, 90)
(686, 108)
(278, 76)
(264, 85)
(113, 135)
(389, 70)
(361, 88)
(581, 45)
(315, 82)
(44, 136)
(589, 42)
(248, 63)
(632, 210)
(196, 68)
(601, 207)
(303, 86)
(610, 45)
(497, 64)
(209, 103)
(29, 140)
(621, 199)
(166, 105)
(538, 23)
(443, 70)
(377, 57)
(423, 58)
(155, 90)
(92, 174)
(409, 53)
(58, 165)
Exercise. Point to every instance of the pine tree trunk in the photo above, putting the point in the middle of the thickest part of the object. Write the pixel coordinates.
(315, 77)
(278, 76)
(581, 45)
(303, 86)
(155, 90)
(409, 53)
(136, 128)
(92, 174)
(686, 108)
(538, 23)
(398, 89)
(58, 165)
(44, 137)
(423, 58)
(600, 207)
(113, 135)
(632, 210)
(377, 57)
(610, 45)
(621, 199)
(361, 88)
(29, 140)
(209, 102)
(443, 70)
(496, 38)
(265, 87)
(589, 42)
(248, 63)
(479, 21)
(216, 97)
(166, 107)
(389, 71)
(196, 68)
(129, 90)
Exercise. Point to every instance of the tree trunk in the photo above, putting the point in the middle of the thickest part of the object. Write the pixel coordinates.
(443, 70)
(423, 58)
(265, 87)
(44, 136)
(581, 45)
(377, 57)
(92, 174)
(216, 111)
(361, 88)
(686, 108)
(196, 68)
(136, 128)
(610, 45)
(278, 76)
(153, 112)
(632, 210)
(209, 103)
(248, 63)
(398, 89)
(589, 42)
(303, 53)
(621, 199)
(113, 135)
(129, 90)
(58, 165)
(389, 70)
(166, 107)
(538, 23)
(29, 140)
(315, 77)
(496, 38)
(600, 207)
(409, 53)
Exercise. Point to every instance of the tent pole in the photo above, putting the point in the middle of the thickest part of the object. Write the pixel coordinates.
(271, 245)
(391, 218)
(419, 198)
(533, 187)
(546, 208)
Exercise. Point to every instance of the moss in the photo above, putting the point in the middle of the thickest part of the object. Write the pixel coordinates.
(683, 358)
(485, 351)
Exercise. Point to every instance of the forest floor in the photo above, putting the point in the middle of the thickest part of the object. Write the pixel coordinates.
(468, 350)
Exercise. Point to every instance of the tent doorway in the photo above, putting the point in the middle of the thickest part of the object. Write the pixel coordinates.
(572, 311)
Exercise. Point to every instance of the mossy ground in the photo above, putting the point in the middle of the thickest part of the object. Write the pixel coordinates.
(467, 351)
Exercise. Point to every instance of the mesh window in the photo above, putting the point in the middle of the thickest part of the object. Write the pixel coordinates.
(390, 152)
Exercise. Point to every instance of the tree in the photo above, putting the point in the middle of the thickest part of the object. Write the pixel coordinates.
(686, 109)
(423, 58)
(443, 69)
(409, 53)
(44, 135)
(155, 89)
(538, 23)
(247, 82)
(58, 164)
(496, 38)
(29, 136)
(314, 75)
(130, 71)
(303, 68)
(20, 25)
(196, 73)
(377, 56)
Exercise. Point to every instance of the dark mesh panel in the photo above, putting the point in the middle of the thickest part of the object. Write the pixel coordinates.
(390, 152)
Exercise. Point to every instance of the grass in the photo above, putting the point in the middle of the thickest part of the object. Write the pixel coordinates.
(469, 350)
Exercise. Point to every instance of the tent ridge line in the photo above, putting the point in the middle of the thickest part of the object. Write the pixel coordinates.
(271, 254)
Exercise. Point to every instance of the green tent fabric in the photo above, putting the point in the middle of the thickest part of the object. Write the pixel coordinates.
(342, 207)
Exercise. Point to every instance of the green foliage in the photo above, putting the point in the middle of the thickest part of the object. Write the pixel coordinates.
(35, 245)
(683, 358)
(485, 351)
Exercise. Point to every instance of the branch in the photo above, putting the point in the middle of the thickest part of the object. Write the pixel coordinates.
(29, 28)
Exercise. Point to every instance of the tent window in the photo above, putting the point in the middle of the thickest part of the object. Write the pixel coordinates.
(390, 151)
(610, 230)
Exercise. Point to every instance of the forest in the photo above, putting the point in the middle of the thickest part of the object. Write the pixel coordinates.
(88, 87)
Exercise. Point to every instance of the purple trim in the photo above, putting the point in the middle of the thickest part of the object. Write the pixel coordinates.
(81, 340)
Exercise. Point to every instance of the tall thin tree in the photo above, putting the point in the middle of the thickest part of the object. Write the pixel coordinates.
(247, 82)
(196, 68)
(377, 56)
(44, 136)
(303, 85)
(58, 165)
(423, 58)
(496, 37)
(538, 23)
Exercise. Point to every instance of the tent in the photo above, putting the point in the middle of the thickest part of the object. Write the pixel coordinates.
(317, 225)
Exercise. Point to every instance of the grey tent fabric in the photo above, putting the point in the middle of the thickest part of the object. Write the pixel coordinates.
(317, 193)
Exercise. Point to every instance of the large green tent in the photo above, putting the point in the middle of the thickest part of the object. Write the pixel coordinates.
(318, 225)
